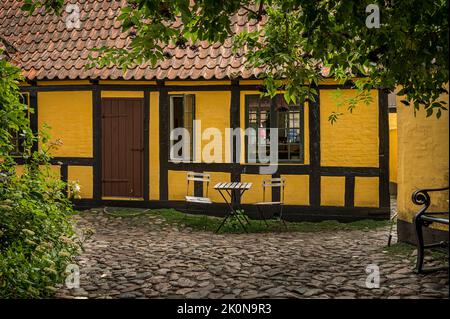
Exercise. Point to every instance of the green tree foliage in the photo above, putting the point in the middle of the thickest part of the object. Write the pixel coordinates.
(299, 39)
(36, 236)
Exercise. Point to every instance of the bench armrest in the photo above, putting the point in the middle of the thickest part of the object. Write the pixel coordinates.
(421, 196)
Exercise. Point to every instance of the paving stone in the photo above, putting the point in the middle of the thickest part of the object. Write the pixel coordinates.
(184, 282)
(146, 258)
(312, 292)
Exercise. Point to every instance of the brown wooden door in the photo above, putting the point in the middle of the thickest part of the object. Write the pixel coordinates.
(122, 147)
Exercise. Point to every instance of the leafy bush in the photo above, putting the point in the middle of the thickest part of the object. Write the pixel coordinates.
(36, 236)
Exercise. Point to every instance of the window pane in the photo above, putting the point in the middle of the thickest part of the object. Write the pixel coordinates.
(294, 151)
(282, 136)
(182, 116)
(293, 135)
(283, 151)
(288, 121)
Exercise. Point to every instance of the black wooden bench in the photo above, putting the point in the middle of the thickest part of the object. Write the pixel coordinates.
(425, 219)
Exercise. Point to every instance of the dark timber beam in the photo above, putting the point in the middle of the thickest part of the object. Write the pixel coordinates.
(97, 140)
(146, 168)
(314, 150)
(383, 127)
(163, 140)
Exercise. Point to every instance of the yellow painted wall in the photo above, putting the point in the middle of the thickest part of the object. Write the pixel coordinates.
(255, 193)
(216, 177)
(366, 191)
(178, 185)
(83, 175)
(127, 82)
(19, 170)
(213, 110)
(332, 191)
(124, 94)
(423, 157)
(53, 171)
(64, 82)
(353, 139)
(69, 115)
(154, 146)
(296, 191)
(190, 83)
(393, 147)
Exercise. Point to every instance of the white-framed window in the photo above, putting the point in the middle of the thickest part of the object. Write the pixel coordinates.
(182, 115)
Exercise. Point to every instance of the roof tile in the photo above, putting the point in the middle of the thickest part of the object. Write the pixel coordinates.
(47, 49)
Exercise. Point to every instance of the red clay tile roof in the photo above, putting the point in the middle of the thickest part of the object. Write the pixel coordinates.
(47, 50)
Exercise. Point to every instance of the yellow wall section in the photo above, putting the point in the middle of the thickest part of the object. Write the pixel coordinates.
(177, 181)
(353, 139)
(74, 82)
(115, 82)
(19, 170)
(154, 146)
(69, 114)
(53, 170)
(195, 83)
(332, 191)
(423, 157)
(393, 147)
(216, 177)
(125, 94)
(255, 193)
(84, 177)
(296, 191)
(366, 191)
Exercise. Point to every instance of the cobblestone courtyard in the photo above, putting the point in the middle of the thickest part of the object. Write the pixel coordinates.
(142, 257)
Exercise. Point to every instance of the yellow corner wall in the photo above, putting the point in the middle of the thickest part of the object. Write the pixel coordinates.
(69, 115)
(83, 175)
(353, 139)
(423, 158)
(154, 146)
(296, 191)
(393, 147)
(366, 191)
(332, 191)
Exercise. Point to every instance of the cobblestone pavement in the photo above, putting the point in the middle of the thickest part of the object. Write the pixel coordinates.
(142, 257)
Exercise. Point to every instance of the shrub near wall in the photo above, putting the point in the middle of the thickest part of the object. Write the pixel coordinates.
(36, 236)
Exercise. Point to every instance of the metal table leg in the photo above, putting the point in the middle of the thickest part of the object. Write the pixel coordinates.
(232, 211)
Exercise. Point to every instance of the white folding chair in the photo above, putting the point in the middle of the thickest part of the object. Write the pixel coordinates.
(198, 177)
(204, 199)
(278, 182)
